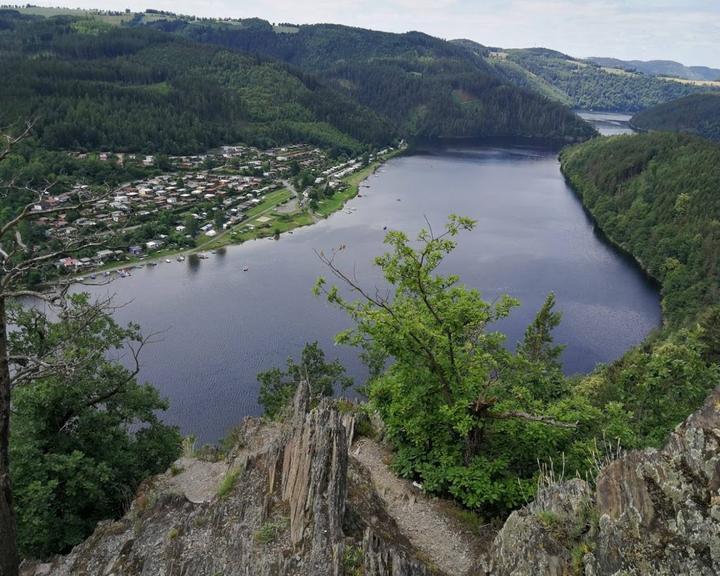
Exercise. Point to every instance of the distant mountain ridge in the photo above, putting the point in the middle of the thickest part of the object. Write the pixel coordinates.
(166, 83)
(587, 85)
(697, 114)
(427, 87)
(662, 68)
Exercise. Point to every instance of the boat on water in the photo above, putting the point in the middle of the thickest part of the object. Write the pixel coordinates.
(245, 268)
(181, 258)
(92, 276)
(202, 256)
(81, 279)
(167, 260)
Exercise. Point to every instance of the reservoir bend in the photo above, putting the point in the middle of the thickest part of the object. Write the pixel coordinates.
(220, 324)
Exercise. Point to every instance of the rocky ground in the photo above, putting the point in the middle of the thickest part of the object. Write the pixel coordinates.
(302, 499)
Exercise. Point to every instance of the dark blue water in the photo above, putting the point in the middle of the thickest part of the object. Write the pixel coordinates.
(222, 325)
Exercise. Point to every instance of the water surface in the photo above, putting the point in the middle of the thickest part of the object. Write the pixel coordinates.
(608, 123)
(221, 325)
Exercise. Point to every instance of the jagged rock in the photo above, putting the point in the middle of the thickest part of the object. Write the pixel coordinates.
(660, 510)
(380, 559)
(657, 511)
(535, 539)
(280, 512)
(295, 503)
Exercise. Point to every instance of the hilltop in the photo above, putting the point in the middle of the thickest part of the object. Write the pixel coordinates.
(164, 83)
(585, 84)
(662, 68)
(94, 86)
(697, 114)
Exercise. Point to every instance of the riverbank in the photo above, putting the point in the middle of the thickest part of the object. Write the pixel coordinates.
(263, 221)
(601, 233)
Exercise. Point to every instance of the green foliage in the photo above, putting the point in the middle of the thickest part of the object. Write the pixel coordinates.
(84, 437)
(277, 387)
(228, 483)
(467, 417)
(656, 196)
(537, 345)
(271, 530)
(426, 87)
(697, 114)
(586, 85)
(149, 91)
(352, 560)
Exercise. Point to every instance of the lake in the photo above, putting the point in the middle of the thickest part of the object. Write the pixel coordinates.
(221, 325)
(608, 123)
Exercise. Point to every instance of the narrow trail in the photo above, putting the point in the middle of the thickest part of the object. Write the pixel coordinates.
(433, 526)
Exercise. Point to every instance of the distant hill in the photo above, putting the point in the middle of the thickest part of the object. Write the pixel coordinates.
(586, 85)
(426, 87)
(91, 85)
(697, 114)
(662, 68)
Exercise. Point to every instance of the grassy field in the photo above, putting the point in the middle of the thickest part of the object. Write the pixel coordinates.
(710, 83)
(109, 17)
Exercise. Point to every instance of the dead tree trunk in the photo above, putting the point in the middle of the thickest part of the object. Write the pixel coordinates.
(8, 528)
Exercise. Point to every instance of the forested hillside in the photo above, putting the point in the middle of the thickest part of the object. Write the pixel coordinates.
(585, 85)
(657, 196)
(697, 114)
(426, 87)
(91, 85)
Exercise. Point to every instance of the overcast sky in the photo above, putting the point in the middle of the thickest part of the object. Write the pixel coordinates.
(683, 30)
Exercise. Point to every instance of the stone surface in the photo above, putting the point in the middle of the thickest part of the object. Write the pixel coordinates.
(652, 513)
(282, 514)
(303, 503)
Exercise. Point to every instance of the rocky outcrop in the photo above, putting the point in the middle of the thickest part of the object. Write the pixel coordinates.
(652, 512)
(293, 499)
(276, 506)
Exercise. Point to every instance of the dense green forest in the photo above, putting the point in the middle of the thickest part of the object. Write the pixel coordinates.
(427, 87)
(656, 195)
(586, 85)
(697, 114)
(94, 86)
(177, 86)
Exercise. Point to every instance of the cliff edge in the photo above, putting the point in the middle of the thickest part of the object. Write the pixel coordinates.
(295, 498)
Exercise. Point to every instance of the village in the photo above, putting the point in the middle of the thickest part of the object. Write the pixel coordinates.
(234, 193)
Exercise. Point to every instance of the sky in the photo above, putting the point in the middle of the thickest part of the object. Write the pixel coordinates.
(684, 30)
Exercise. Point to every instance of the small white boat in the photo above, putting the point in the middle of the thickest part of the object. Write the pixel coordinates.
(245, 268)
(181, 258)
(167, 260)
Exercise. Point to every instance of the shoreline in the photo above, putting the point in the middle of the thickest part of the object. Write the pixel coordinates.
(619, 248)
(295, 220)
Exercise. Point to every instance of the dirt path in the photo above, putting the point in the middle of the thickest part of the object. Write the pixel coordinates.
(432, 525)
